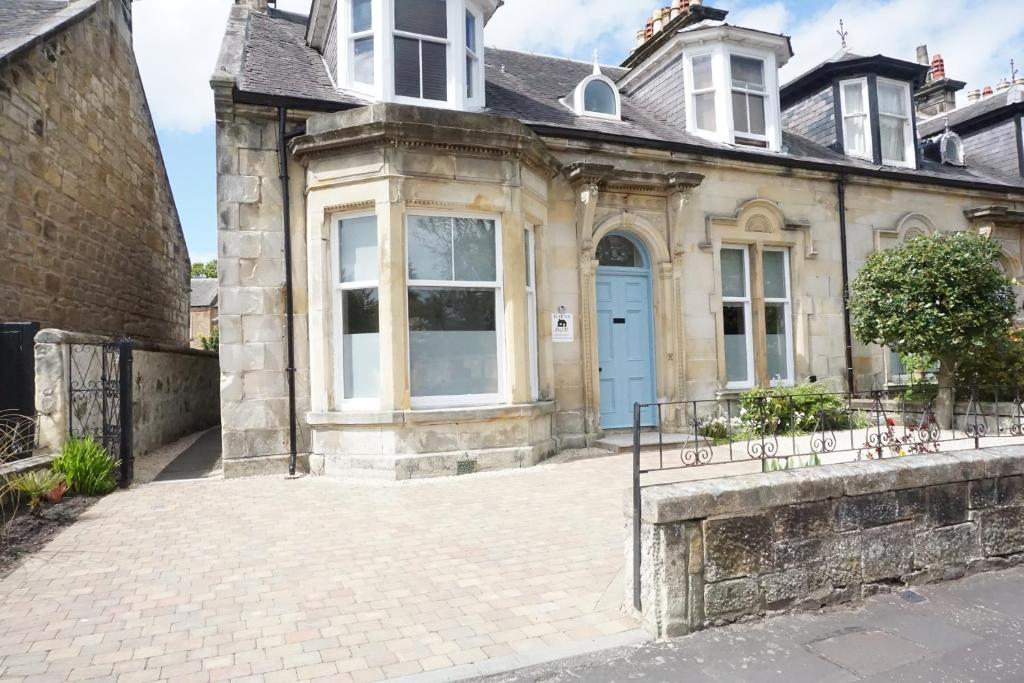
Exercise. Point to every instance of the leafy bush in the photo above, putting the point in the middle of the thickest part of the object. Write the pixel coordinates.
(1001, 365)
(211, 343)
(36, 484)
(793, 409)
(87, 467)
(718, 428)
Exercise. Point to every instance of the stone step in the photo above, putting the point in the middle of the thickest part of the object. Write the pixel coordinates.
(622, 442)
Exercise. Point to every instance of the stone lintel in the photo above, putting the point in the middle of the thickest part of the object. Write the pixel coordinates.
(608, 177)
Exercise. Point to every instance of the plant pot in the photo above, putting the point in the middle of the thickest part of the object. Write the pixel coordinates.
(57, 494)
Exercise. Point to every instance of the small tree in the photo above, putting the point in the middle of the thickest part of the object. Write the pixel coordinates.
(205, 270)
(940, 297)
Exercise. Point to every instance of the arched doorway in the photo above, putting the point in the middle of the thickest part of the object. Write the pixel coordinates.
(625, 330)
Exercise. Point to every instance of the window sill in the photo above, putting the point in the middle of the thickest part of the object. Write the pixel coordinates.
(431, 416)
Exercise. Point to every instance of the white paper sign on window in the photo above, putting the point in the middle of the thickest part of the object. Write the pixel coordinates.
(561, 327)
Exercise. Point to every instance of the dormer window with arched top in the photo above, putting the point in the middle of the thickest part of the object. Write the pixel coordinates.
(951, 148)
(597, 96)
(425, 52)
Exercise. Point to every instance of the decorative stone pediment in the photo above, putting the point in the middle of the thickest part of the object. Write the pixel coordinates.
(914, 224)
(758, 216)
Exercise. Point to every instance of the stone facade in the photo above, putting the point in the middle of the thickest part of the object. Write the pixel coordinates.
(569, 189)
(724, 550)
(88, 227)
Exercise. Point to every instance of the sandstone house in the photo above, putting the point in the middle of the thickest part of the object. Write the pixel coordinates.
(483, 256)
(89, 232)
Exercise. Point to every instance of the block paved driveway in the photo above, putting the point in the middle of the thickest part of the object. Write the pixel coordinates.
(269, 579)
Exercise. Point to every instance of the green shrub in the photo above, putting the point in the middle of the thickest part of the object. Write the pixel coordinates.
(36, 484)
(794, 409)
(999, 366)
(87, 467)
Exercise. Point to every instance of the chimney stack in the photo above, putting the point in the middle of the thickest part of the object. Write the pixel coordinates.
(257, 5)
(938, 94)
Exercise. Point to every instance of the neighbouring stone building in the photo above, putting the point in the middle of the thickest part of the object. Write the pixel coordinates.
(203, 310)
(89, 232)
(494, 254)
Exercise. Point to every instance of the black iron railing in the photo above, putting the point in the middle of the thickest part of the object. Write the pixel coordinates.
(782, 431)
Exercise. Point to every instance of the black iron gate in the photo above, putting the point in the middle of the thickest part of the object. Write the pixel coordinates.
(100, 399)
(17, 368)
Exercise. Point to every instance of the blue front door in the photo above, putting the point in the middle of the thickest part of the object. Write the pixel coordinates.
(625, 348)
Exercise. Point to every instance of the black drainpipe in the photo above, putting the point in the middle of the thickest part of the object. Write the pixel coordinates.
(282, 155)
(847, 332)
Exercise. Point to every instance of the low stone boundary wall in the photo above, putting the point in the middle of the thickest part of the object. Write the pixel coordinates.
(721, 550)
(175, 390)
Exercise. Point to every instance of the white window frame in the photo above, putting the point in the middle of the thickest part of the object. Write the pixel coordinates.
(474, 96)
(530, 237)
(747, 92)
(868, 153)
(464, 400)
(788, 314)
(721, 73)
(692, 92)
(909, 142)
(346, 49)
(338, 307)
(748, 317)
(580, 96)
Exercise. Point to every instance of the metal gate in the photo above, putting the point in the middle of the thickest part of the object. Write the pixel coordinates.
(100, 399)
(17, 368)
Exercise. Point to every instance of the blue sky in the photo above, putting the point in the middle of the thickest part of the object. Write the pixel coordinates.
(977, 38)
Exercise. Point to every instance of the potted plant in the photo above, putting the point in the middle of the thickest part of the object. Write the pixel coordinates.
(36, 485)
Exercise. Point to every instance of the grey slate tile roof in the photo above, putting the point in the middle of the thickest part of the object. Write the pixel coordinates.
(204, 292)
(277, 62)
(19, 17)
(971, 111)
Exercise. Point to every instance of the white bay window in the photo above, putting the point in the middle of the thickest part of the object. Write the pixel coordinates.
(426, 52)
(733, 95)
(856, 121)
(455, 311)
(356, 303)
(895, 126)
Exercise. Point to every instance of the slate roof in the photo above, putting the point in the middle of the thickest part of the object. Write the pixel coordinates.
(19, 17)
(277, 63)
(204, 292)
(23, 23)
(1014, 95)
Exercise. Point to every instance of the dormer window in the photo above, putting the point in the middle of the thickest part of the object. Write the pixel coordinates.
(426, 52)
(895, 126)
(597, 96)
(748, 100)
(951, 148)
(731, 85)
(893, 122)
(856, 121)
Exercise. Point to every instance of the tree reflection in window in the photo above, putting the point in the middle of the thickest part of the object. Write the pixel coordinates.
(619, 251)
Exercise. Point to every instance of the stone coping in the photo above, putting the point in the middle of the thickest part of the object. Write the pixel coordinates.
(33, 462)
(432, 416)
(55, 336)
(74, 12)
(665, 504)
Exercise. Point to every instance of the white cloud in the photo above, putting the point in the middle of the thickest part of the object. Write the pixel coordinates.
(176, 44)
(177, 41)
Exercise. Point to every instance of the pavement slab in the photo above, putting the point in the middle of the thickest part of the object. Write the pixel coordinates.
(966, 630)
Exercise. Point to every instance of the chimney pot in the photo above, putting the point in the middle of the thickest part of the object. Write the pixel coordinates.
(922, 54)
(677, 7)
(1003, 85)
(986, 91)
(974, 96)
(938, 67)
